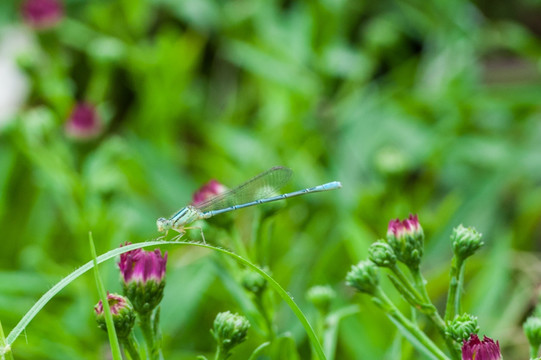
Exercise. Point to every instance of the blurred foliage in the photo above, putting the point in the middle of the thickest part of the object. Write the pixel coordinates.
(424, 107)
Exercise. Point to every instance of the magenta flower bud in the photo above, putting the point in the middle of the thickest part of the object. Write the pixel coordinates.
(143, 277)
(84, 122)
(406, 238)
(207, 191)
(409, 226)
(123, 315)
(42, 14)
(475, 349)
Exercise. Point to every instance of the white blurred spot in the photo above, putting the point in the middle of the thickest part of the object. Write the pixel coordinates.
(14, 85)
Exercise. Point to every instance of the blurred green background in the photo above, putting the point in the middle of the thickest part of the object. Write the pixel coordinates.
(419, 107)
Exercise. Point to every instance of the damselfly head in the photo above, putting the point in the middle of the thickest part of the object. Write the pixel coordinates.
(163, 224)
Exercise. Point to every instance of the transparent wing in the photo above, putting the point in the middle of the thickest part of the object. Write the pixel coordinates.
(262, 186)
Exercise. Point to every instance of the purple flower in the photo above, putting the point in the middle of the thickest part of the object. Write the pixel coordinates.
(123, 315)
(207, 191)
(475, 349)
(42, 14)
(143, 275)
(84, 122)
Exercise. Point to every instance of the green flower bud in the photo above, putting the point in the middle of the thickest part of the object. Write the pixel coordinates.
(462, 327)
(229, 330)
(466, 241)
(382, 254)
(123, 315)
(253, 282)
(532, 329)
(321, 296)
(364, 277)
(406, 238)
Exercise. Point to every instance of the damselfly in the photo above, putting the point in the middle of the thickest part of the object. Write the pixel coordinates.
(261, 189)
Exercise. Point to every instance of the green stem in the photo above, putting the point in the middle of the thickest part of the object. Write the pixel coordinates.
(320, 327)
(409, 329)
(148, 334)
(454, 276)
(157, 332)
(458, 297)
(420, 285)
(534, 350)
(264, 313)
(433, 314)
(406, 282)
(220, 354)
(130, 344)
(5, 349)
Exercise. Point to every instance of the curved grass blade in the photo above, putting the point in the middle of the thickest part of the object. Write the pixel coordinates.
(111, 331)
(316, 345)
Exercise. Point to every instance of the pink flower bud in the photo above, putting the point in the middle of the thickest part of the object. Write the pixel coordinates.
(84, 122)
(475, 349)
(208, 191)
(42, 14)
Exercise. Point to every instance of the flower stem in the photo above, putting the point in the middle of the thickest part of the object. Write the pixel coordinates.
(220, 354)
(406, 282)
(130, 344)
(453, 299)
(265, 314)
(146, 327)
(409, 329)
(433, 314)
(420, 284)
(534, 350)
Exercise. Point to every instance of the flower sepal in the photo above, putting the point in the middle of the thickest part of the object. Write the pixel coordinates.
(145, 298)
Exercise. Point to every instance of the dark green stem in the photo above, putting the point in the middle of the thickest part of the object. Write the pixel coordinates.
(406, 282)
(460, 286)
(534, 350)
(221, 354)
(264, 313)
(130, 344)
(148, 334)
(420, 285)
(453, 298)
